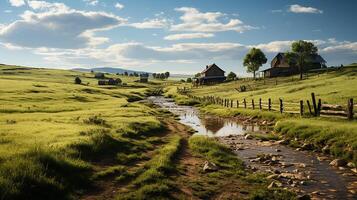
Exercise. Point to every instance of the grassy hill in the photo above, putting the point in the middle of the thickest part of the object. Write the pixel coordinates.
(334, 87)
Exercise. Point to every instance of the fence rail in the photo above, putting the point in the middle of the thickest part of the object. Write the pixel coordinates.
(313, 107)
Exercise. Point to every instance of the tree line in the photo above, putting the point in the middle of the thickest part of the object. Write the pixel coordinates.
(165, 75)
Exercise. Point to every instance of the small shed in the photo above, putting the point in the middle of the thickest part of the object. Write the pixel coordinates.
(144, 78)
(99, 75)
(212, 74)
(110, 81)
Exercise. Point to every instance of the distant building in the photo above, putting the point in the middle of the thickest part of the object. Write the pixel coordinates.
(280, 66)
(144, 78)
(110, 81)
(212, 74)
(99, 75)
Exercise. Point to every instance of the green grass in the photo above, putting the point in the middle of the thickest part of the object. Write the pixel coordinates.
(52, 130)
(340, 137)
(154, 181)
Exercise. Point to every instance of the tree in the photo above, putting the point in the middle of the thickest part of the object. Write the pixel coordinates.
(231, 76)
(167, 75)
(301, 52)
(126, 73)
(118, 80)
(254, 60)
(162, 76)
(197, 75)
(154, 75)
(189, 80)
(136, 74)
(77, 80)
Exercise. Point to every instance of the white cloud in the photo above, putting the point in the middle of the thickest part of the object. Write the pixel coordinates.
(46, 6)
(188, 36)
(301, 9)
(7, 11)
(58, 27)
(92, 2)
(276, 11)
(151, 23)
(275, 46)
(119, 6)
(17, 3)
(196, 21)
(348, 47)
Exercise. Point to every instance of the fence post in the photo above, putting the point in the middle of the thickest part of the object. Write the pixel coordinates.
(314, 103)
(253, 104)
(319, 107)
(269, 104)
(245, 103)
(237, 103)
(231, 103)
(281, 105)
(260, 103)
(301, 107)
(350, 109)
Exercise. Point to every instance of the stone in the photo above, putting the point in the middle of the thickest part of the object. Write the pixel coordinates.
(351, 165)
(283, 142)
(301, 165)
(273, 176)
(307, 146)
(304, 197)
(248, 137)
(354, 170)
(321, 158)
(326, 149)
(275, 184)
(209, 167)
(338, 163)
(277, 150)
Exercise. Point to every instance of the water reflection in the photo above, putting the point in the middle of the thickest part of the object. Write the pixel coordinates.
(205, 125)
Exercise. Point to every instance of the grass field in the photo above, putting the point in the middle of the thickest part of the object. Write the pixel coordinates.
(59, 140)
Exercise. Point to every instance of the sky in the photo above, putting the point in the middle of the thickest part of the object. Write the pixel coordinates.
(180, 36)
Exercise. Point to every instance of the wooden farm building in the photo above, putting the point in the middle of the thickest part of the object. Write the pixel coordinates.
(99, 75)
(110, 81)
(280, 66)
(212, 74)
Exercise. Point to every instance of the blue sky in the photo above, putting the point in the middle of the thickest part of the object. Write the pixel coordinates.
(178, 36)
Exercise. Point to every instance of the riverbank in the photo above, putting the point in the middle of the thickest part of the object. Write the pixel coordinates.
(305, 172)
(335, 137)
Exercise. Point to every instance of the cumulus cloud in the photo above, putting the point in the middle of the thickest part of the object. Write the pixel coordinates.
(58, 27)
(17, 3)
(151, 23)
(195, 21)
(302, 9)
(92, 2)
(119, 6)
(188, 36)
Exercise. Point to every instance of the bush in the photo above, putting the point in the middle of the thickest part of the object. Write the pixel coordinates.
(77, 80)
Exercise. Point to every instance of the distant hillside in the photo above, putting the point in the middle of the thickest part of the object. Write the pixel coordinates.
(109, 70)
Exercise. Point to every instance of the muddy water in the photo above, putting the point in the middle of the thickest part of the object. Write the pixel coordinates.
(311, 172)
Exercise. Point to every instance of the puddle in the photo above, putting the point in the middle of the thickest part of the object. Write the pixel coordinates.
(319, 179)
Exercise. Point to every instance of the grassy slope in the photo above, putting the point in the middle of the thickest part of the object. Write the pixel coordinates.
(334, 87)
(52, 129)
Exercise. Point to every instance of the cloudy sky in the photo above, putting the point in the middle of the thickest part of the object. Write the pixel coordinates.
(181, 36)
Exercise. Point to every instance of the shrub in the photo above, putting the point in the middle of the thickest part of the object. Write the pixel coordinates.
(77, 80)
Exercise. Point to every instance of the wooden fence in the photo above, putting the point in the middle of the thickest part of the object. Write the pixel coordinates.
(313, 107)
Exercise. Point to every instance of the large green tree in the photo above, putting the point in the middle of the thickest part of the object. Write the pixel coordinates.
(300, 54)
(254, 60)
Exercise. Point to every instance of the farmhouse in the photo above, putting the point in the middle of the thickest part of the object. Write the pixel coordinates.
(280, 66)
(212, 74)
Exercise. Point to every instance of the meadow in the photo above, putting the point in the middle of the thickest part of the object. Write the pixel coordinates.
(61, 140)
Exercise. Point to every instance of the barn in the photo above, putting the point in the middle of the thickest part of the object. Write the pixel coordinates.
(280, 66)
(212, 74)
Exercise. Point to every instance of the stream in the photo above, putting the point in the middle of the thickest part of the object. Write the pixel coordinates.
(305, 172)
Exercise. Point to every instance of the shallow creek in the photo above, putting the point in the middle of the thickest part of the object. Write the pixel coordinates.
(303, 171)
